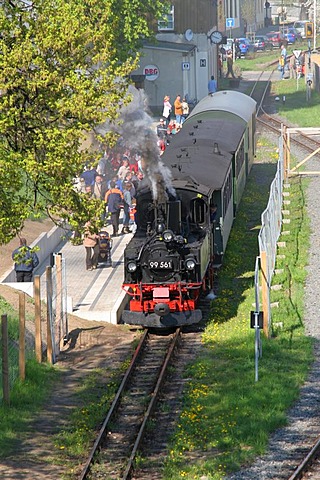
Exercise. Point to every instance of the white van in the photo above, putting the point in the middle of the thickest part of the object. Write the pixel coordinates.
(301, 27)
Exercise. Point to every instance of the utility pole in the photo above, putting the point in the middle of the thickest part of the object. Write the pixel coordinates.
(314, 24)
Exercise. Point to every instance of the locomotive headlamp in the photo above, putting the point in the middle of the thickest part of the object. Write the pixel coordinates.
(190, 264)
(167, 236)
(131, 267)
(160, 228)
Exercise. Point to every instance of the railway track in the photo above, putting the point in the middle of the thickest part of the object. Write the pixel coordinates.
(309, 468)
(114, 451)
(306, 142)
(301, 140)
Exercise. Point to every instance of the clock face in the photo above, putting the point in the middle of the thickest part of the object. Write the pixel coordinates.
(216, 37)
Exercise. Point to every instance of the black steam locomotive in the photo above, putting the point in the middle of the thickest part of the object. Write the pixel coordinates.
(181, 239)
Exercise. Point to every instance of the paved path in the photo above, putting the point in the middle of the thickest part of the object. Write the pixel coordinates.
(96, 294)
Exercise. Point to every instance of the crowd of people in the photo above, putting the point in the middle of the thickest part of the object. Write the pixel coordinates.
(171, 122)
(114, 181)
(292, 68)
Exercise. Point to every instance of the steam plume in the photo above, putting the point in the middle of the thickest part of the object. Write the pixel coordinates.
(137, 133)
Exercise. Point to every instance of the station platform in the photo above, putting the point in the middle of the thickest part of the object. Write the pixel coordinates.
(95, 294)
(90, 294)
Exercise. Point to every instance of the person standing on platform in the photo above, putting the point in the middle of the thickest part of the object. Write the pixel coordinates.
(91, 244)
(185, 110)
(127, 205)
(114, 200)
(25, 261)
(161, 130)
(212, 85)
(167, 108)
(178, 111)
(99, 188)
(230, 65)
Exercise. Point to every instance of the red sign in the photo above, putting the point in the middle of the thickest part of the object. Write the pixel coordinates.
(151, 72)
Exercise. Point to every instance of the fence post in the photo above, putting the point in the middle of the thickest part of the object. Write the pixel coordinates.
(282, 144)
(37, 317)
(5, 359)
(287, 157)
(22, 335)
(58, 262)
(49, 315)
(265, 293)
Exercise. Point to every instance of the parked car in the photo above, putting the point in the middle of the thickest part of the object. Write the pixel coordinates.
(245, 46)
(276, 38)
(301, 27)
(297, 34)
(290, 34)
(262, 43)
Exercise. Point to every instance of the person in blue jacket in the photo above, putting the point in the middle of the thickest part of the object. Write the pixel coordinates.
(25, 261)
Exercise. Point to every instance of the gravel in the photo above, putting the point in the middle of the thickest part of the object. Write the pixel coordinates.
(288, 445)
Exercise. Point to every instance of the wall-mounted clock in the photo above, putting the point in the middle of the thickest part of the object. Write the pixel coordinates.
(216, 37)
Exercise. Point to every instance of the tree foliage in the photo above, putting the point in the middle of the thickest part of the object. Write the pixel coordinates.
(248, 11)
(64, 67)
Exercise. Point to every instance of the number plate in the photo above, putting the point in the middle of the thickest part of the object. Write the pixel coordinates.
(161, 265)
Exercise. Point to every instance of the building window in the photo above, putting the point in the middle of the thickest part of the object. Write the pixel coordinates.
(168, 21)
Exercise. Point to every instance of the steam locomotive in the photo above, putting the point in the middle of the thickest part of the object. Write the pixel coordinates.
(181, 237)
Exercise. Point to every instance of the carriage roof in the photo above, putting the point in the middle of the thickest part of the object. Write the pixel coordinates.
(225, 133)
(226, 103)
(198, 160)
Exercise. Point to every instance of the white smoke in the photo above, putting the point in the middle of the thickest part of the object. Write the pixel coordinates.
(137, 133)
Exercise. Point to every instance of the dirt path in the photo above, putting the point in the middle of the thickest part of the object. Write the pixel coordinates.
(92, 345)
(95, 345)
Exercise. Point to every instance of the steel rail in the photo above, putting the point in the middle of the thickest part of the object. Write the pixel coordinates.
(154, 398)
(277, 128)
(102, 433)
(306, 462)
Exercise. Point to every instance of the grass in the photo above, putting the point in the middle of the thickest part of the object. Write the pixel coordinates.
(296, 105)
(26, 398)
(227, 416)
(222, 399)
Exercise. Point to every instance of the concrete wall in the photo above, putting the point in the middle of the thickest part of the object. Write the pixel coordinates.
(47, 243)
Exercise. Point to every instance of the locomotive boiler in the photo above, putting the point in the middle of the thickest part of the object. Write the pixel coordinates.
(181, 238)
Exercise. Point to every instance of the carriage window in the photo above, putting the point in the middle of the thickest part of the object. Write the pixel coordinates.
(240, 158)
(227, 193)
(198, 210)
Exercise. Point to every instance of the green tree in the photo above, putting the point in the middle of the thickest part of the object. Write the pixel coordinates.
(64, 66)
(248, 12)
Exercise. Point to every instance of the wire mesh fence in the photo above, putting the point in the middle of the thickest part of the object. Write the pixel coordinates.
(39, 336)
(271, 224)
(57, 305)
